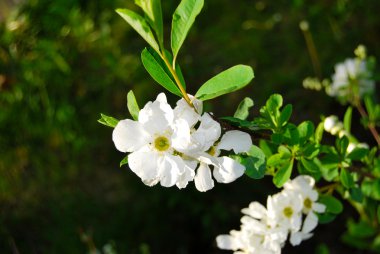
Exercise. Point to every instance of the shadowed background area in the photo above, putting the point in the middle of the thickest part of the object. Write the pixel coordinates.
(63, 62)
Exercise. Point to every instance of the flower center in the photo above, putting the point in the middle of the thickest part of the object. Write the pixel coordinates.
(307, 203)
(161, 143)
(212, 151)
(288, 212)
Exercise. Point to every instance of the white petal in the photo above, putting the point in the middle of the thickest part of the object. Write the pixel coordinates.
(295, 238)
(228, 170)
(255, 210)
(145, 165)
(319, 208)
(208, 132)
(161, 98)
(225, 242)
(129, 136)
(187, 175)
(170, 169)
(203, 181)
(184, 111)
(311, 221)
(181, 138)
(156, 116)
(237, 141)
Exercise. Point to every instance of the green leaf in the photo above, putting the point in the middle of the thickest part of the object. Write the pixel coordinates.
(356, 194)
(332, 204)
(358, 153)
(140, 25)
(183, 18)
(153, 10)
(108, 121)
(124, 161)
(266, 147)
(324, 218)
(371, 188)
(238, 122)
(153, 64)
(291, 135)
(285, 114)
(305, 131)
(341, 145)
(322, 249)
(283, 175)
(346, 178)
(310, 166)
(361, 229)
(242, 111)
(378, 213)
(132, 105)
(177, 69)
(319, 133)
(255, 163)
(310, 150)
(347, 119)
(227, 81)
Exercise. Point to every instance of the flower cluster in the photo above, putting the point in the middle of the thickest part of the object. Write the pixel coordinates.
(351, 78)
(335, 127)
(265, 229)
(166, 147)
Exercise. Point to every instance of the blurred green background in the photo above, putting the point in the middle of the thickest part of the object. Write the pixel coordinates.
(63, 62)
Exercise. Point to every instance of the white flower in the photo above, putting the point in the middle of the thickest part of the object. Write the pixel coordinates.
(284, 209)
(206, 148)
(332, 125)
(255, 235)
(303, 186)
(350, 73)
(151, 142)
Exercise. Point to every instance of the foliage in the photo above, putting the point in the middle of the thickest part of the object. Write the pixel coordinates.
(62, 62)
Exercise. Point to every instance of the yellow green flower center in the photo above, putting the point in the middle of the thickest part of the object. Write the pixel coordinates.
(212, 151)
(161, 143)
(288, 212)
(307, 203)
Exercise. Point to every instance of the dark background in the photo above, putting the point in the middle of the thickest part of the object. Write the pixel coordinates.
(63, 62)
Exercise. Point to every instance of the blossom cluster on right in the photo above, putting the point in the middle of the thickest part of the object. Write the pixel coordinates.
(290, 213)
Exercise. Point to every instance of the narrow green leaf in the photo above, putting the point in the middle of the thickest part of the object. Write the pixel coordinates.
(140, 25)
(132, 105)
(347, 119)
(156, 69)
(283, 175)
(177, 69)
(108, 121)
(255, 163)
(124, 161)
(242, 111)
(346, 178)
(378, 213)
(153, 11)
(341, 145)
(183, 18)
(227, 81)
(285, 114)
(319, 133)
(332, 204)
